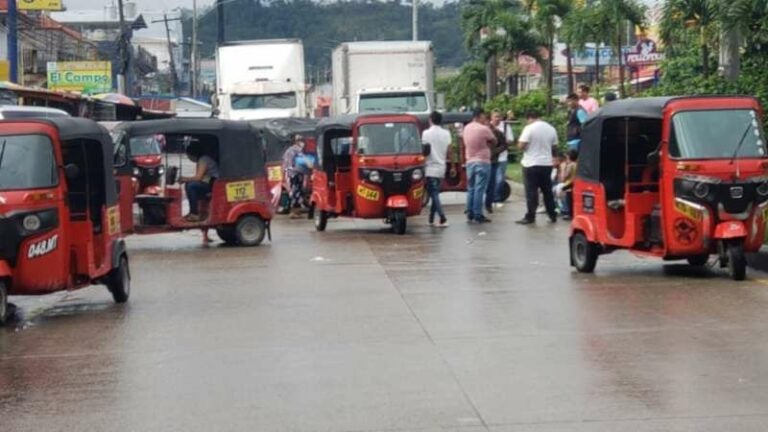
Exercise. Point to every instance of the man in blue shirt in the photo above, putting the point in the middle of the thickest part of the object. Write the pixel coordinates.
(576, 118)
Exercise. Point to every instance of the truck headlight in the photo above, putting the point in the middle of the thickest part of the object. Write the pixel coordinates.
(374, 176)
(160, 170)
(417, 175)
(31, 222)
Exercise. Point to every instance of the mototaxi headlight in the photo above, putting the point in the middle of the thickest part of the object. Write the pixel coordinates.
(701, 190)
(160, 170)
(374, 176)
(136, 172)
(417, 175)
(762, 190)
(31, 222)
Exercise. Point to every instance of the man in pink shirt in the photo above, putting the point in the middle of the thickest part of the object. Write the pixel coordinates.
(478, 140)
(587, 102)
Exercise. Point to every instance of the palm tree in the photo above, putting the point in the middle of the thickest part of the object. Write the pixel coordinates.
(750, 19)
(619, 14)
(700, 16)
(546, 16)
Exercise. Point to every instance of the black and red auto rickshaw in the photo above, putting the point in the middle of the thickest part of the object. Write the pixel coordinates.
(238, 205)
(146, 161)
(277, 135)
(677, 178)
(59, 215)
(369, 166)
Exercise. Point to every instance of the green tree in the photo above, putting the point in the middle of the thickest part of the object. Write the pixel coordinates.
(620, 14)
(545, 16)
(698, 16)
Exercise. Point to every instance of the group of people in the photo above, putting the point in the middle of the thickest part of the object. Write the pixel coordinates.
(546, 172)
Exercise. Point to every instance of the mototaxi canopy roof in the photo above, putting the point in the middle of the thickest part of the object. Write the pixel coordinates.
(240, 151)
(593, 139)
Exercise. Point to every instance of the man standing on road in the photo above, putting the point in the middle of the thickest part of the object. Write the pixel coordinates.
(586, 101)
(576, 117)
(478, 141)
(537, 141)
(439, 140)
(497, 127)
(294, 175)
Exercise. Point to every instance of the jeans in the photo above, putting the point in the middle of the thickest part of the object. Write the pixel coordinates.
(196, 192)
(478, 174)
(297, 190)
(501, 178)
(538, 178)
(433, 189)
(490, 190)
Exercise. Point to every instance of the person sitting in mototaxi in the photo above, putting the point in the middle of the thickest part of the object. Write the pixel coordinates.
(199, 186)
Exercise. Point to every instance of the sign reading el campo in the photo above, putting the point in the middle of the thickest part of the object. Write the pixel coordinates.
(83, 77)
(54, 5)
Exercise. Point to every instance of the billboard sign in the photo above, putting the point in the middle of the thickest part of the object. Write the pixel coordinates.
(644, 53)
(39, 5)
(83, 77)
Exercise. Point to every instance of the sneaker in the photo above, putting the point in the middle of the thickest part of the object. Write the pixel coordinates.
(541, 210)
(443, 224)
(552, 219)
(482, 219)
(524, 221)
(192, 218)
(499, 205)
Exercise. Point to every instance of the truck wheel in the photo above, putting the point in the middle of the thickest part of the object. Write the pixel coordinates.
(505, 192)
(250, 230)
(119, 281)
(4, 309)
(737, 262)
(227, 234)
(698, 260)
(399, 222)
(321, 220)
(583, 253)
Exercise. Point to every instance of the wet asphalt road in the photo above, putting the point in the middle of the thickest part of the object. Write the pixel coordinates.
(472, 328)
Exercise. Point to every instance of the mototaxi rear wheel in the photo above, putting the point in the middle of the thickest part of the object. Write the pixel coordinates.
(583, 253)
(698, 260)
(250, 230)
(119, 281)
(4, 309)
(227, 234)
(321, 220)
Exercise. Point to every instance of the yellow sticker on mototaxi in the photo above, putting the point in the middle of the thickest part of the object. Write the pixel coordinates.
(418, 193)
(113, 220)
(689, 211)
(367, 193)
(275, 173)
(241, 191)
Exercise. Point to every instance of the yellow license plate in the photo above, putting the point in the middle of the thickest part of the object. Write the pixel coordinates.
(418, 193)
(275, 173)
(113, 220)
(241, 191)
(367, 193)
(687, 210)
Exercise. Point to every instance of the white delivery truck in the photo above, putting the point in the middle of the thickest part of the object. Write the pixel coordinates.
(386, 76)
(261, 79)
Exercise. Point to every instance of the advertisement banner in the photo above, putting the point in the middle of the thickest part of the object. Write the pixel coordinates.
(39, 5)
(83, 77)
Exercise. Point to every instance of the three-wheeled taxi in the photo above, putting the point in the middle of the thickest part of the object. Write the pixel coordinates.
(674, 178)
(369, 166)
(238, 204)
(59, 219)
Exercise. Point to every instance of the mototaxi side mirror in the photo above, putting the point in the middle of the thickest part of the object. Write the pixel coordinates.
(426, 149)
(71, 171)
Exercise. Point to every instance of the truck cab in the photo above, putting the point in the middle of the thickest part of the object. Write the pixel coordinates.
(263, 99)
(405, 100)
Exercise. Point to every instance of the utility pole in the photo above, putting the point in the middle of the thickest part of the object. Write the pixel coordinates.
(13, 43)
(172, 61)
(122, 88)
(221, 37)
(415, 17)
(193, 53)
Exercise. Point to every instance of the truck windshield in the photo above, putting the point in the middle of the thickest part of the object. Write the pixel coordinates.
(27, 162)
(394, 102)
(388, 138)
(145, 145)
(717, 134)
(274, 101)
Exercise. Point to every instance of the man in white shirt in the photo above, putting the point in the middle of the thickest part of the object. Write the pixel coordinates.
(537, 141)
(439, 140)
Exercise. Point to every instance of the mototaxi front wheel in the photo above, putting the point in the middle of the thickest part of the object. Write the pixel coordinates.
(119, 281)
(737, 261)
(399, 222)
(321, 220)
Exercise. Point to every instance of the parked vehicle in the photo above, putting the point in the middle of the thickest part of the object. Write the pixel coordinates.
(383, 77)
(676, 178)
(370, 166)
(238, 206)
(59, 215)
(261, 79)
(10, 112)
